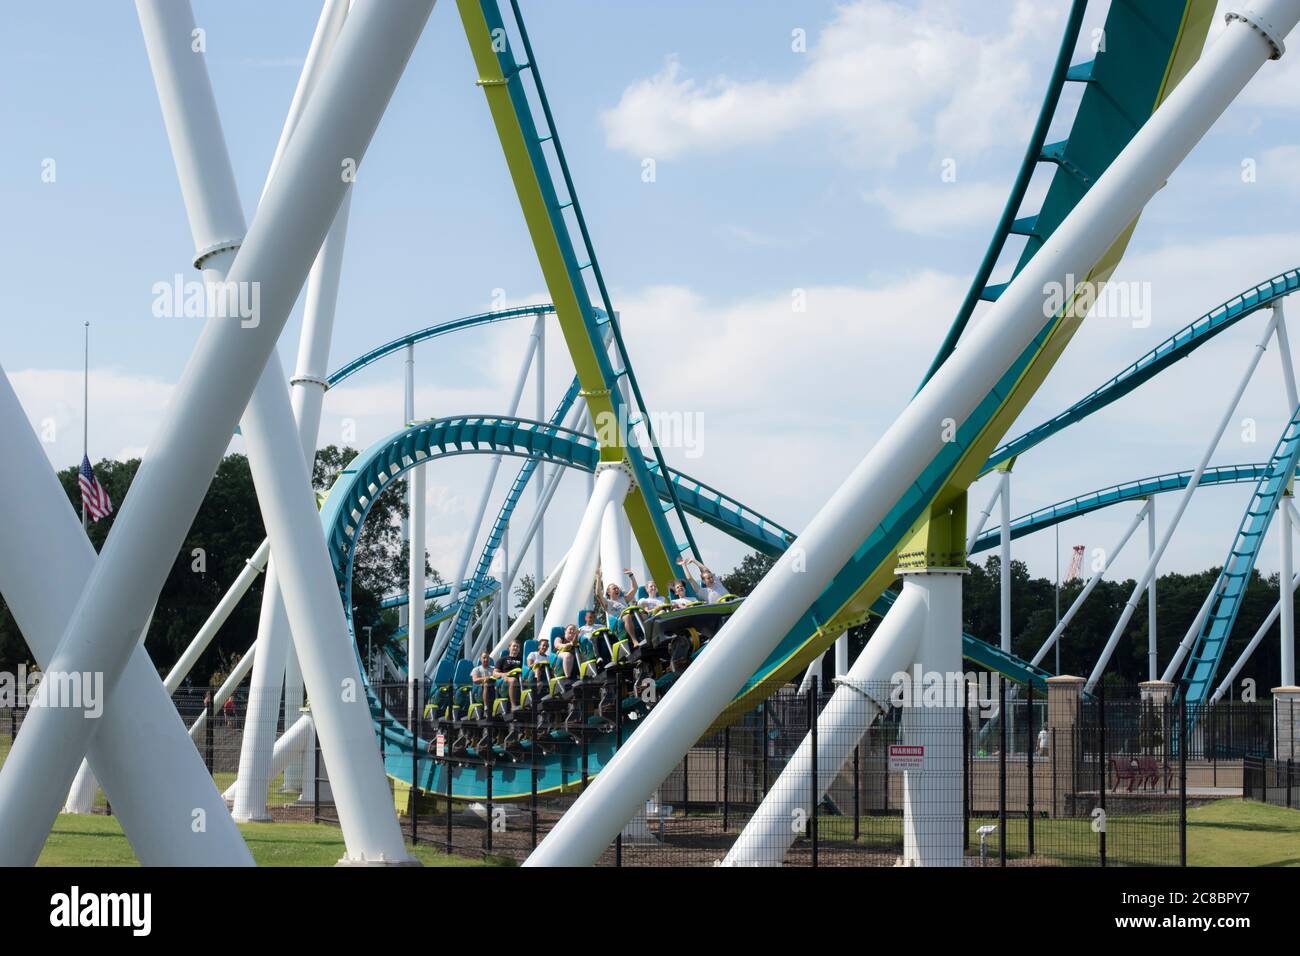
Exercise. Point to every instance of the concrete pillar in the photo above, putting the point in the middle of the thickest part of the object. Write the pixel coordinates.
(1286, 723)
(1064, 694)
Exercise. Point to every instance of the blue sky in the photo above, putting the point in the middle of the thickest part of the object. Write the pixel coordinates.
(776, 170)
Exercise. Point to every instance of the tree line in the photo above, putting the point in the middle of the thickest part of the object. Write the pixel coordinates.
(228, 529)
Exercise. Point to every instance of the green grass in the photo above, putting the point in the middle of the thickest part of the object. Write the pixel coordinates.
(1233, 832)
(98, 841)
(1228, 832)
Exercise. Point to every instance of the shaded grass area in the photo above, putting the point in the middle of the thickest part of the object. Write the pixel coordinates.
(98, 841)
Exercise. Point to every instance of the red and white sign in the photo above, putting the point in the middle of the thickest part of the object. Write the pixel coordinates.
(906, 756)
(440, 745)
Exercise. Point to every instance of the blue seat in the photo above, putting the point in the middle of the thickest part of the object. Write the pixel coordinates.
(462, 684)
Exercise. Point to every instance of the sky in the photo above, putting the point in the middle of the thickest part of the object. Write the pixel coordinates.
(851, 157)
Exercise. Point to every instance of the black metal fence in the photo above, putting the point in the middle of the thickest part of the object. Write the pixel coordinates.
(1011, 782)
(997, 775)
(1272, 781)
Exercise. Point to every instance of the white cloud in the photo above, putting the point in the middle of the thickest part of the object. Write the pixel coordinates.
(883, 78)
(124, 411)
(942, 210)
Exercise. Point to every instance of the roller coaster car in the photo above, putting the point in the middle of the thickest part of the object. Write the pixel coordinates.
(674, 635)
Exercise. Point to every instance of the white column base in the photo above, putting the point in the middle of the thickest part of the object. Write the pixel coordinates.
(933, 818)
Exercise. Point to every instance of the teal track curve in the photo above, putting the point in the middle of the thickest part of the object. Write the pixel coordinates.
(366, 477)
(1178, 346)
(1114, 495)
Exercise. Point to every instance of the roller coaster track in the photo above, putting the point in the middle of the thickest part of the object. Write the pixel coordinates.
(558, 230)
(366, 477)
(1113, 495)
(1178, 346)
(1150, 47)
(1230, 589)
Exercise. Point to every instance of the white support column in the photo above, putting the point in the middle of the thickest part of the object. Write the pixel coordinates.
(933, 820)
(203, 637)
(1004, 578)
(613, 556)
(983, 518)
(415, 490)
(539, 555)
(1287, 604)
(842, 654)
(859, 698)
(1107, 560)
(217, 384)
(1153, 671)
(612, 483)
(506, 583)
(1184, 500)
(891, 468)
(1286, 509)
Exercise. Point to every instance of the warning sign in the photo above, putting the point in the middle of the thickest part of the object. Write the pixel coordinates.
(440, 745)
(906, 756)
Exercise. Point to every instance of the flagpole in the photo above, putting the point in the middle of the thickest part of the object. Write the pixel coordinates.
(85, 415)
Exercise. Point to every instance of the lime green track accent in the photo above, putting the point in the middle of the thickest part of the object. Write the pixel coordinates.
(1151, 46)
(557, 258)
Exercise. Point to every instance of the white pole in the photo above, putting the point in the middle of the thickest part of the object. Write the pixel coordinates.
(506, 582)
(913, 442)
(1185, 645)
(1287, 656)
(1004, 576)
(1130, 606)
(218, 382)
(984, 516)
(203, 637)
(415, 491)
(1152, 668)
(1287, 633)
(1107, 559)
(842, 654)
(307, 393)
(860, 697)
(539, 555)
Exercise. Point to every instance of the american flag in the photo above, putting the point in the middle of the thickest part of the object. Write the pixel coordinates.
(93, 496)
